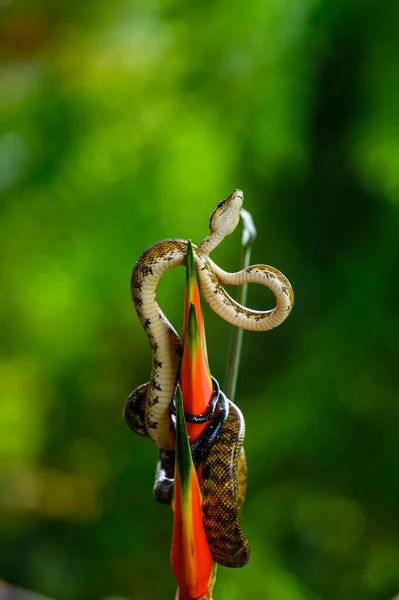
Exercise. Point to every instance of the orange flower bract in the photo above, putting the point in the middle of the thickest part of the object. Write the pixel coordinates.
(191, 558)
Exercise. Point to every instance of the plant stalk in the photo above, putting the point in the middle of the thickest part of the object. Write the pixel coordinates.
(233, 363)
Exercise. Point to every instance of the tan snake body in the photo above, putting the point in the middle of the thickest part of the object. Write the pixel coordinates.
(148, 409)
(224, 475)
(165, 342)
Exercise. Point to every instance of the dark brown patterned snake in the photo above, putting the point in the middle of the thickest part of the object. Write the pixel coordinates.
(148, 410)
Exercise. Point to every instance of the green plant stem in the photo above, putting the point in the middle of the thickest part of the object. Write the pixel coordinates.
(233, 363)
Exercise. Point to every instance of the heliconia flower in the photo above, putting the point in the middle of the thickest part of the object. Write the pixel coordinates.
(195, 376)
(192, 296)
(191, 558)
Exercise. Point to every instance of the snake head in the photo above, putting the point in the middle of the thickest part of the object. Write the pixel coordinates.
(225, 217)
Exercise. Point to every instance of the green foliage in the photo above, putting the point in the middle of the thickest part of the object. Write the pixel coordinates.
(124, 123)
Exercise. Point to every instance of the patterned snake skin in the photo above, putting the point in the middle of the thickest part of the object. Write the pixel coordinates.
(148, 409)
(224, 474)
(165, 342)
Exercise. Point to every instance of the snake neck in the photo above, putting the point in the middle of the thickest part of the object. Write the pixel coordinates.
(211, 241)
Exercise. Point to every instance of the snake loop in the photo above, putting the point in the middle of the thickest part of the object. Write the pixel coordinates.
(165, 342)
(220, 447)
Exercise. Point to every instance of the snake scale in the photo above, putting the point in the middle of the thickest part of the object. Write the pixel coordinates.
(148, 409)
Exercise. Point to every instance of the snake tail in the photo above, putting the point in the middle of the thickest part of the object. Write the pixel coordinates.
(223, 473)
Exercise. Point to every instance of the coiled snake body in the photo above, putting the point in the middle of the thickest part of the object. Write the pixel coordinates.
(148, 409)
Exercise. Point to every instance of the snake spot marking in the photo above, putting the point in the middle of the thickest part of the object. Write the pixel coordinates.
(147, 270)
(260, 317)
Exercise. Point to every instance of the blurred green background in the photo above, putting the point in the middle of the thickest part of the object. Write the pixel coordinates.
(123, 123)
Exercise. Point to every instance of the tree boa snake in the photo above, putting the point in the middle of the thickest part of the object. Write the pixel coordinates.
(148, 409)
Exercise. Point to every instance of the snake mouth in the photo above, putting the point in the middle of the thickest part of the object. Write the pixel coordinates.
(236, 194)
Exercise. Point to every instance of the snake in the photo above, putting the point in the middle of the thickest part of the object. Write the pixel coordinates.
(148, 408)
(219, 449)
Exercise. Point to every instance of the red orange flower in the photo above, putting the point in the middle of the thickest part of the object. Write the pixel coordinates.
(191, 558)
